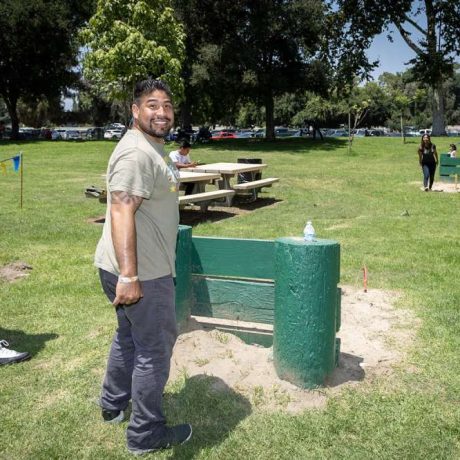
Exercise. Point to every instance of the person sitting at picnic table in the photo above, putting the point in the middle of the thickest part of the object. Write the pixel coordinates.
(182, 160)
(452, 151)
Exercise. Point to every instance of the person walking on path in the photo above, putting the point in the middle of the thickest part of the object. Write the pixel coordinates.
(136, 261)
(428, 159)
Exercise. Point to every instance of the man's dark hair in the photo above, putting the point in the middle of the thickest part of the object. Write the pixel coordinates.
(185, 144)
(148, 86)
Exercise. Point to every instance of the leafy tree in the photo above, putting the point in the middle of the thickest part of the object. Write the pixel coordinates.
(280, 52)
(212, 70)
(38, 49)
(435, 22)
(128, 40)
(242, 51)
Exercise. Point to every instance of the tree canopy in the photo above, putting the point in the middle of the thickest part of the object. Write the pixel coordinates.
(128, 40)
(429, 27)
(252, 51)
(38, 49)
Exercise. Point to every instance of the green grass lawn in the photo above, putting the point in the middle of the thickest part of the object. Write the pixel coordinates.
(61, 316)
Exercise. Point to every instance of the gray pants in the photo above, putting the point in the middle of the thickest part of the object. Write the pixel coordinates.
(139, 360)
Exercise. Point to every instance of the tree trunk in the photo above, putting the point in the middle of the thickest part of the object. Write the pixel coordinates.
(350, 139)
(439, 126)
(403, 134)
(269, 120)
(11, 103)
(185, 117)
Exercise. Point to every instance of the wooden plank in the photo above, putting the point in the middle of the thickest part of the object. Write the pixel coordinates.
(247, 325)
(233, 300)
(448, 170)
(229, 168)
(255, 183)
(236, 257)
(190, 176)
(446, 160)
(261, 335)
(205, 196)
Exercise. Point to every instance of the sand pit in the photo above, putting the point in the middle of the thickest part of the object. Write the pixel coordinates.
(375, 336)
(14, 271)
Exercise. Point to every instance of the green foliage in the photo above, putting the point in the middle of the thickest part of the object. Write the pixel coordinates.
(38, 49)
(239, 51)
(129, 40)
(434, 21)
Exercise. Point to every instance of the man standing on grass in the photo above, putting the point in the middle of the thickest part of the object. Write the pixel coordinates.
(136, 261)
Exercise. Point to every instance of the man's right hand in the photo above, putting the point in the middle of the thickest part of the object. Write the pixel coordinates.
(128, 293)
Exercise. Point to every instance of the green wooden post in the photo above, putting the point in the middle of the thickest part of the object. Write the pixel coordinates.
(306, 310)
(183, 276)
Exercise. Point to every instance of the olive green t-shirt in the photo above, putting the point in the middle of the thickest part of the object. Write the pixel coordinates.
(140, 167)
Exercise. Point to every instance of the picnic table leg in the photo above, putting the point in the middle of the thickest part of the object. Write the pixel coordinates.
(224, 184)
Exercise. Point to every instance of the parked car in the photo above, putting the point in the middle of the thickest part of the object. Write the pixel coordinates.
(220, 135)
(393, 134)
(259, 133)
(29, 133)
(362, 132)
(58, 134)
(337, 133)
(114, 133)
(244, 133)
(74, 135)
(422, 132)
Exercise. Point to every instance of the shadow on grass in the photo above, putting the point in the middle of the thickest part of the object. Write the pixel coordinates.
(211, 407)
(194, 216)
(349, 370)
(20, 341)
(293, 145)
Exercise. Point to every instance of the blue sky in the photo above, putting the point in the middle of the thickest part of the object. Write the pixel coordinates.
(392, 56)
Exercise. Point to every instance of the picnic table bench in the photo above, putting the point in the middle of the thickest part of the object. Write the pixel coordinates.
(199, 194)
(205, 198)
(229, 170)
(254, 186)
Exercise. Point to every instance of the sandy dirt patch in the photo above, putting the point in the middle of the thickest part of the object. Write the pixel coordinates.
(14, 271)
(447, 187)
(374, 337)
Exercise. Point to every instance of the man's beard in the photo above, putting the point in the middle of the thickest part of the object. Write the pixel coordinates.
(151, 130)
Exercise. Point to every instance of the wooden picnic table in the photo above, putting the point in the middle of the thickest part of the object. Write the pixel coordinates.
(192, 176)
(227, 171)
(199, 195)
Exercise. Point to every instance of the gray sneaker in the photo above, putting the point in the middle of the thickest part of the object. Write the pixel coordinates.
(173, 436)
(113, 416)
(8, 356)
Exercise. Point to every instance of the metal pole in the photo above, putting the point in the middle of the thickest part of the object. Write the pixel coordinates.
(21, 173)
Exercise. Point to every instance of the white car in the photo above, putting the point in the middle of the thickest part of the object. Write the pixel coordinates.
(58, 134)
(115, 133)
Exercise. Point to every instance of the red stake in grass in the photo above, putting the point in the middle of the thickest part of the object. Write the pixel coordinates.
(365, 278)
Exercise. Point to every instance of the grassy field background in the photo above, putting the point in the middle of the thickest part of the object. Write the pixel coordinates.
(369, 201)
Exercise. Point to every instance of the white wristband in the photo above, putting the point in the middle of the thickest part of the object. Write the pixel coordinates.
(127, 279)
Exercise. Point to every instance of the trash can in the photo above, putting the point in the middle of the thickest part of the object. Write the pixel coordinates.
(247, 176)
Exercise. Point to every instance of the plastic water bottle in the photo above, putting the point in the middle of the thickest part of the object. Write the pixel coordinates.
(309, 232)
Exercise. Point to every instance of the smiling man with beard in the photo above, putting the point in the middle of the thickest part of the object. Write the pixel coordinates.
(136, 261)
